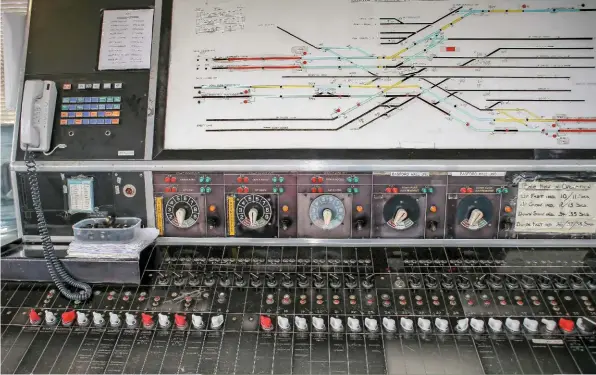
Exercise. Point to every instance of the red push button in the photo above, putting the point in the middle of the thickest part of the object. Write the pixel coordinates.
(313, 180)
(320, 190)
(313, 189)
(68, 317)
(239, 179)
(387, 190)
(168, 189)
(34, 317)
(266, 323)
(395, 190)
(167, 180)
(246, 189)
(174, 179)
(174, 189)
(180, 320)
(147, 320)
(566, 325)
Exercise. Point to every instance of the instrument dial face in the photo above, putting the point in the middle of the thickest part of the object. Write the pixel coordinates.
(253, 211)
(179, 202)
(327, 212)
(474, 212)
(396, 206)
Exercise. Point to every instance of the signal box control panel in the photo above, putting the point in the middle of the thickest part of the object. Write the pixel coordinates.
(424, 205)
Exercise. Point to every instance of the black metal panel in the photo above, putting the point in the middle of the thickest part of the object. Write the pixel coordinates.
(108, 197)
(64, 40)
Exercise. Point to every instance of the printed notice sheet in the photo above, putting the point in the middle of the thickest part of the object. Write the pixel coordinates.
(556, 207)
(126, 39)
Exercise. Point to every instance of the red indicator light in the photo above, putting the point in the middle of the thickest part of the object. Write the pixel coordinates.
(313, 189)
(462, 190)
(320, 180)
(245, 180)
(174, 189)
(320, 190)
(387, 190)
(174, 179)
(245, 189)
(395, 190)
(167, 180)
(239, 189)
(239, 180)
(469, 190)
(313, 180)
(168, 189)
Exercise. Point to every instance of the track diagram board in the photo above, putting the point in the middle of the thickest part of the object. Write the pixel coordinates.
(349, 74)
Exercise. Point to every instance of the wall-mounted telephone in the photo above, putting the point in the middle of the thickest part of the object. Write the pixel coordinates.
(37, 115)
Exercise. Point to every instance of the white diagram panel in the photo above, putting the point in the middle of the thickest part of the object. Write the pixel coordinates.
(374, 74)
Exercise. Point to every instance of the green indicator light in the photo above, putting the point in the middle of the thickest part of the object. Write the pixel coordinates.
(274, 179)
(356, 179)
(505, 190)
(430, 190)
(423, 190)
(281, 179)
(349, 190)
(201, 179)
(356, 190)
(275, 190)
(207, 179)
(208, 189)
(202, 189)
(281, 190)
(499, 191)
(349, 179)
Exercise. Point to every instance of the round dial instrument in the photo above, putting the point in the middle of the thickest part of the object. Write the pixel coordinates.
(401, 212)
(327, 212)
(474, 212)
(182, 211)
(253, 211)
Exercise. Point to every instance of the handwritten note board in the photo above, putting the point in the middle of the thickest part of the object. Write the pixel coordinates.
(556, 207)
(126, 39)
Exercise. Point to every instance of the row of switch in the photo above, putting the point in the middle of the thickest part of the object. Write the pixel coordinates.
(90, 121)
(582, 325)
(91, 99)
(88, 107)
(415, 281)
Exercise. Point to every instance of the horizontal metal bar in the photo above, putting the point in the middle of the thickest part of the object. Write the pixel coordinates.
(311, 165)
(354, 242)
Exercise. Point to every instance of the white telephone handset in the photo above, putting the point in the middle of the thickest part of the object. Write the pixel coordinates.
(37, 115)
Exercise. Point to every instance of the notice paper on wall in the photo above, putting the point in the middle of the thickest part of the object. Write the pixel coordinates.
(556, 207)
(126, 39)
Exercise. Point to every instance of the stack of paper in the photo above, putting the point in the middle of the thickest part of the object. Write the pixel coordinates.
(128, 250)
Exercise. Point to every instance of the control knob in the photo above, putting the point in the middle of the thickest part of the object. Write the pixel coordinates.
(544, 282)
(147, 320)
(318, 281)
(209, 279)
(180, 321)
(576, 282)
(270, 280)
(255, 280)
(586, 325)
(371, 325)
(511, 282)
(477, 325)
(424, 324)
(98, 319)
(414, 281)
(530, 325)
(389, 324)
(283, 323)
(432, 225)
(406, 324)
(286, 223)
(447, 281)
(130, 320)
(351, 281)
(114, 320)
(495, 325)
(462, 325)
(318, 324)
(34, 317)
(369, 281)
(560, 282)
(480, 283)
(193, 280)
(591, 282)
(163, 320)
(196, 321)
(354, 324)
(224, 279)
(266, 323)
(495, 281)
(442, 325)
(334, 281)
(430, 281)
(513, 325)
(336, 324)
(549, 325)
(528, 282)
(566, 325)
(463, 282)
(68, 317)
(300, 324)
(302, 280)
(217, 321)
(239, 280)
(286, 280)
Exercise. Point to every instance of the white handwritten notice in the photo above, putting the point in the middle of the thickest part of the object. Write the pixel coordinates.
(126, 39)
(556, 207)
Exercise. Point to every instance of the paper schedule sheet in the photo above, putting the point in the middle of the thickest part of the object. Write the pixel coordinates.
(126, 39)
